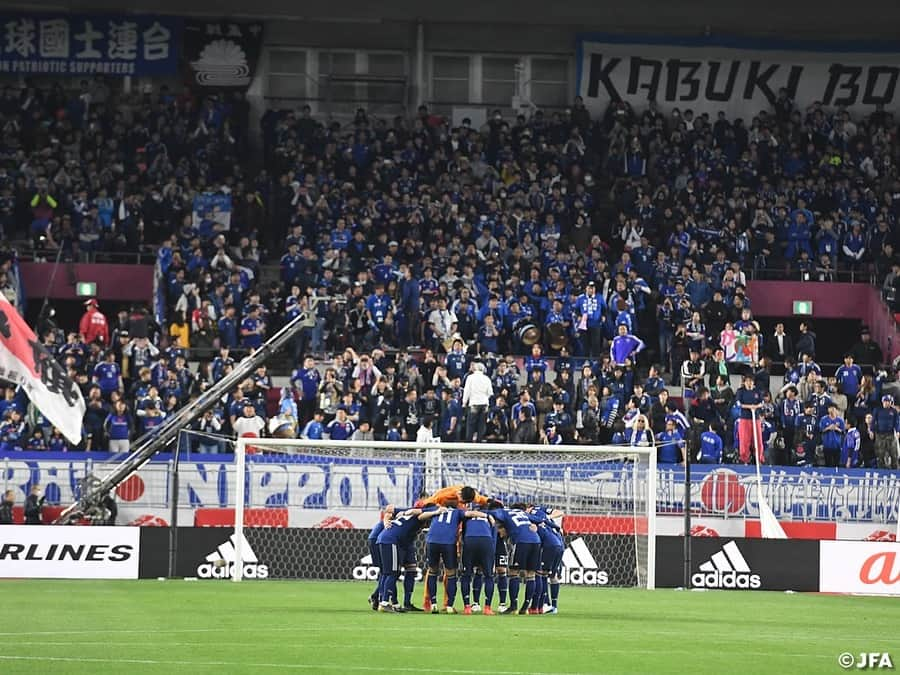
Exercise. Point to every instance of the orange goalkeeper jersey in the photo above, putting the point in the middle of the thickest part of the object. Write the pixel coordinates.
(450, 494)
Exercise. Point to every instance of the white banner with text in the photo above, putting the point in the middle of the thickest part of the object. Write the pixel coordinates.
(738, 78)
(48, 552)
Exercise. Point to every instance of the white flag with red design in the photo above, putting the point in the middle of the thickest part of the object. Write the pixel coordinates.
(27, 363)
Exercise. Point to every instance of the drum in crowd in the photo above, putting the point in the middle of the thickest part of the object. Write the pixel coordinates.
(556, 336)
(527, 331)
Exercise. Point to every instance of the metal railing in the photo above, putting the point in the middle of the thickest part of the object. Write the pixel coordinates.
(863, 276)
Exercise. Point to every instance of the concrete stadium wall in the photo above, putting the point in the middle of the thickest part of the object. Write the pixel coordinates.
(830, 301)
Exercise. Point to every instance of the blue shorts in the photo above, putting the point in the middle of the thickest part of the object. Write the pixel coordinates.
(501, 553)
(408, 554)
(435, 553)
(526, 557)
(391, 558)
(375, 553)
(551, 560)
(478, 552)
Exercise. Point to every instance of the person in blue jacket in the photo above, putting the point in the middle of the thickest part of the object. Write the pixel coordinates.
(711, 447)
(832, 427)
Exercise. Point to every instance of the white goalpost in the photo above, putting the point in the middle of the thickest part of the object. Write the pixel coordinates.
(303, 509)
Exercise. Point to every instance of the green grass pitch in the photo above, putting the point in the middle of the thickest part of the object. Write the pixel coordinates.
(174, 626)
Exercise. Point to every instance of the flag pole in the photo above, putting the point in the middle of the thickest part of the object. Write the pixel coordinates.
(769, 526)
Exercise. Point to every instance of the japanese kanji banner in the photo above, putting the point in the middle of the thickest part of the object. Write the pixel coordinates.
(82, 45)
(738, 76)
(222, 54)
(26, 362)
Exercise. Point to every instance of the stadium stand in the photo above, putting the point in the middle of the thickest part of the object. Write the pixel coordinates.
(588, 264)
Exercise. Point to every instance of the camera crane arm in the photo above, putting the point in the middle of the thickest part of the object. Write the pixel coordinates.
(150, 443)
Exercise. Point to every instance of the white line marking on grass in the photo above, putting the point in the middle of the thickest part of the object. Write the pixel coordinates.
(546, 630)
(175, 631)
(285, 666)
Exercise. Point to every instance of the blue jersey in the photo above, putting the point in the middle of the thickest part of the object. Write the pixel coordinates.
(456, 364)
(149, 423)
(624, 347)
(710, 448)
(669, 447)
(228, 333)
(831, 440)
(57, 444)
(378, 306)
(403, 530)
(546, 525)
(550, 539)
(477, 527)
(807, 424)
(536, 363)
(789, 411)
(592, 307)
(442, 529)
(850, 448)
(254, 340)
(309, 379)
(107, 375)
(376, 531)
(340, 431)
(313, 431)
(517, 524)
(118, 427)
(848, 377)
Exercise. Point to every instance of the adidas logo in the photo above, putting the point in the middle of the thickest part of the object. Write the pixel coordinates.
(726, 569)
(220, 563)
(580, 567)
(366, 571)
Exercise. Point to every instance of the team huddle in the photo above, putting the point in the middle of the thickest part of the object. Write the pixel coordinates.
(480, 545)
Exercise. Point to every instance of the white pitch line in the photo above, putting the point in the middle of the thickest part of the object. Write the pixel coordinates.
(284, 666)
(419, 669)
(546, 631)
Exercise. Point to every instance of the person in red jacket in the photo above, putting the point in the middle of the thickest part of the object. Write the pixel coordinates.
(94, 325)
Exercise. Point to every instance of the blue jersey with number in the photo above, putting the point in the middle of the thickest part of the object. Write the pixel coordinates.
(403, 530)
(518, 526)
(442, 529)
(548, 530)
(107, 375)
(478, 527)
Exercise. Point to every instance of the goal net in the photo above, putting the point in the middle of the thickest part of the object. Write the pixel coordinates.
(304, 509)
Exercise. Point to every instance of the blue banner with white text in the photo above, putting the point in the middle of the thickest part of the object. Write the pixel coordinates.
(322, 482)
(84, 44)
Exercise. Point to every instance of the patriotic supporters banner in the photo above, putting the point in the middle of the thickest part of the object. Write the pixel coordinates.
(739, 77)
(223, 54)
(211, 208)
(81, 45)
(25, 362)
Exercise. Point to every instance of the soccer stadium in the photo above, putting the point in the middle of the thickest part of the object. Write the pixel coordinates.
(468, 337)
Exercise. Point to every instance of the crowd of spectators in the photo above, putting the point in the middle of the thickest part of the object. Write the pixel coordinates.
(612, 253)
